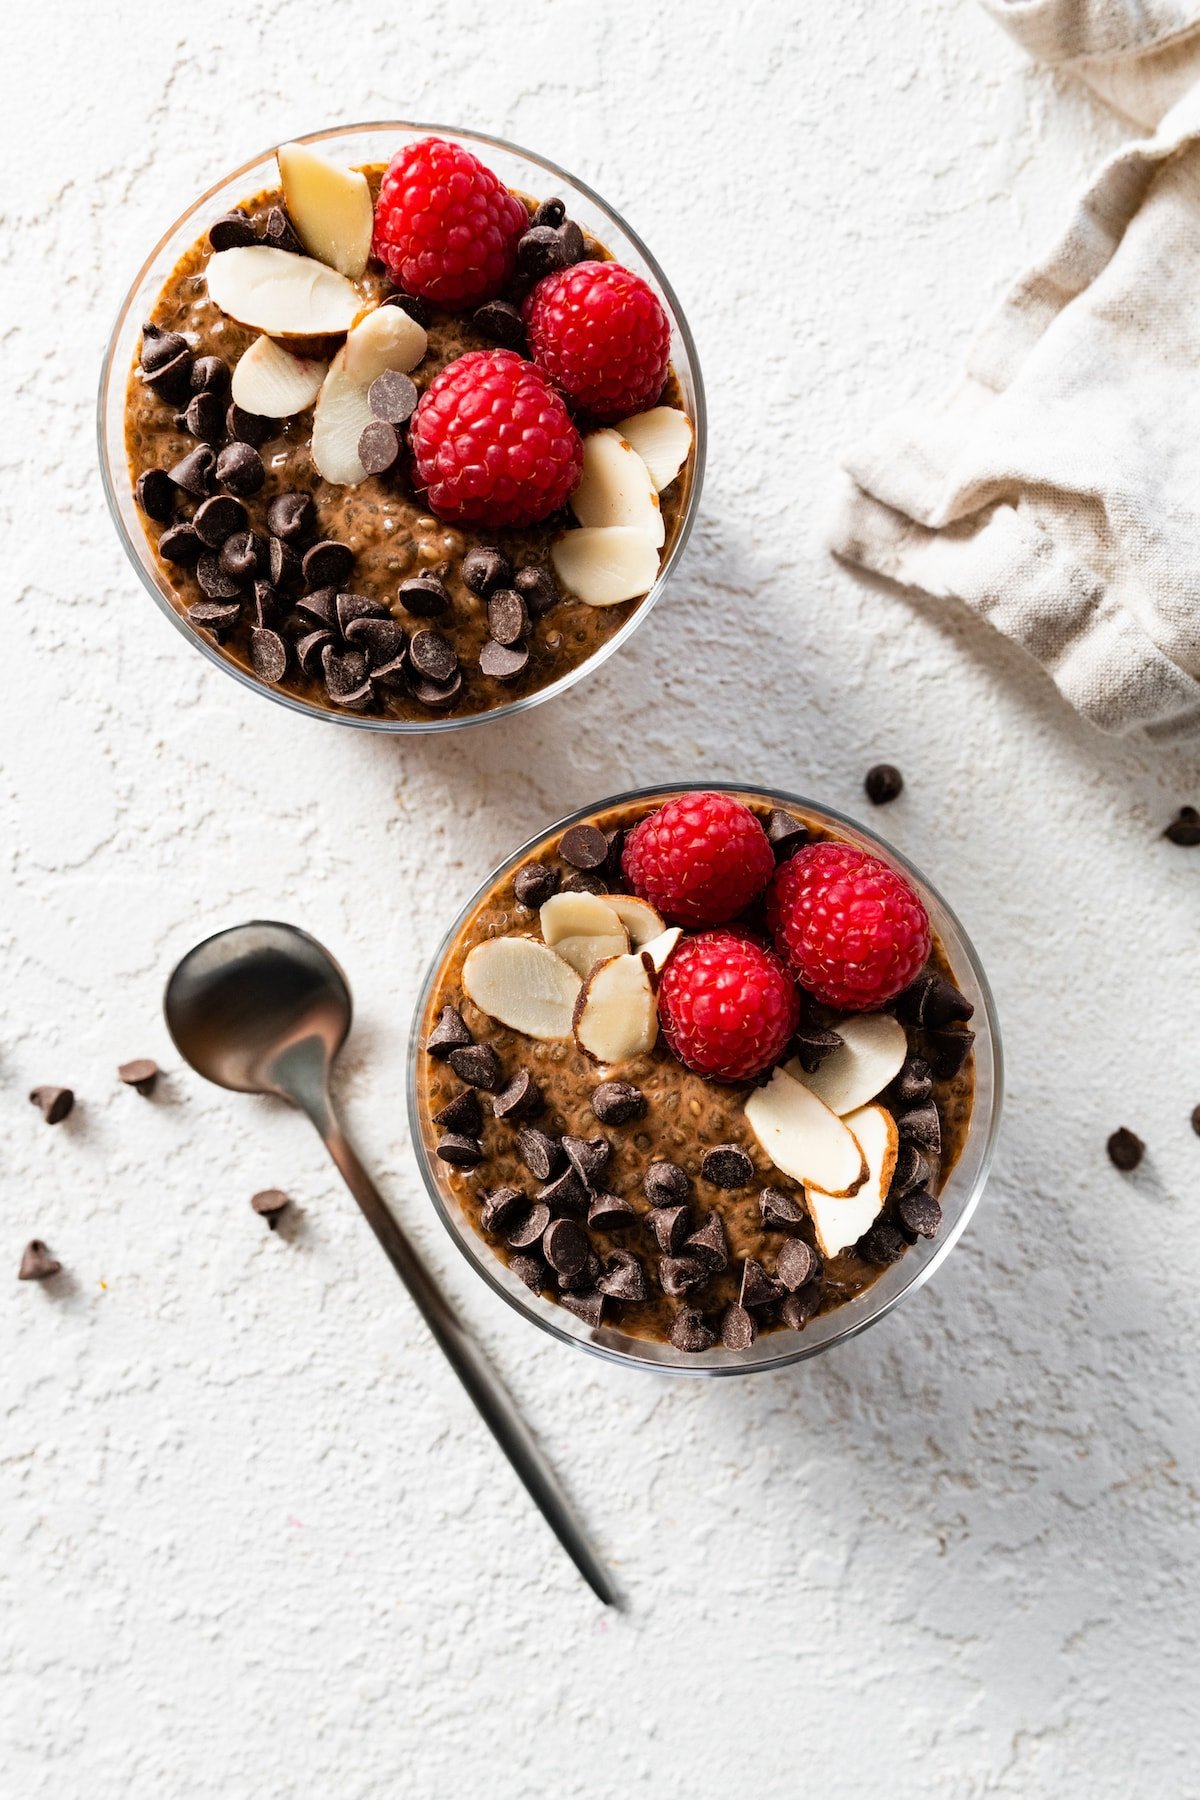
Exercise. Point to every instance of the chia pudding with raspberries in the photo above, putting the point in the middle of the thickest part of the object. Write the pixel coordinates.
(697, 1070)
(406, 443)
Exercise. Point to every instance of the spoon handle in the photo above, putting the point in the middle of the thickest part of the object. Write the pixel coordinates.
(467, 1361)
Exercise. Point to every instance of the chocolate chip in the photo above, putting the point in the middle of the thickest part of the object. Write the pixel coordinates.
(538, 589)
(477, 1065)
(583, 881)
(738, 1330)
(589, 1157)
(351, 609)
(933, 1001)
(435, 693)
(501, 1207)
(310, 649)
(413, 305)
(624, 1278)
(882, 783)
(583, 1280)
(204, 418)
(37, 1264)
(173, 381)
(211, 375)
(271, 1204)
(501, 323)
(463, 1113)
(484, 569)
(550, 212)
(709, 1244)
(503, 662)
(518, 1097)
(528, 1227)
(669, 1225)
(813, 1044)
(923, 1127)
(244, 556)
(588, 1306)
(676, 1274)
(570, 239)
(321, 607)
(378, 447)
(290, 517)
(141, 1074)
(542, 1156)
(432, 655)
(240, 469)
(616, 1102)
(54, 1102)
(529, 1269)
(1184, 829)
(180, 544)
(218, 519)
(214, 615)
(214, 582)
(796, 1264)
(666, 1184)
(565, 1246)
(346, 678)
(327, 564)
(948, 1051)
(584, 847)
(280, 234)
(232, 231)
(759, 1288)
(533, 885)
(690, 1333)
(779, 1210)
(785, 833)
(919, 1213)
(392, 397)
(160, 348)
(610, 1212)
(155, 494)
(382, 642)
(539, 253)
(564, 1193)
(882, 1244)
(616, 847)
(425, 596)
(269, 654)
(194, 472)
(914, 1084)
(464, 1152)
(1125, 1149)
(911, 1170)
(249, 428)
(450, 1033)
(798, 1309)
(508, 621)
(727, 1166)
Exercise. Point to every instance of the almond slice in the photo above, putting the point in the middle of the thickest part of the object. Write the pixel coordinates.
(330, 208)
(523, 985)
(271, 382)
(662, 438)
(341, 416)
(838, 1221)
(384, 339)
(638, 917)
(583, 929)
(604, 565)
(284, 295)
(872, 1053)
(803, 1138)
(616, 1016)
(615, 487)
(654, 954)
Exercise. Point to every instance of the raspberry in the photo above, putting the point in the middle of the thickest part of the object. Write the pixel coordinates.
(700, 859)
(601, 335)
(727, 1005)
(493, 442)
(446, 227)
(851, 927)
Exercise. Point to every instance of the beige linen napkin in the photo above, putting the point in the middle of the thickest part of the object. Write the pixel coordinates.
(1057, 489)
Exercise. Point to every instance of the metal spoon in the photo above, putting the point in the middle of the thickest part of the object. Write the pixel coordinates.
(264, 1009)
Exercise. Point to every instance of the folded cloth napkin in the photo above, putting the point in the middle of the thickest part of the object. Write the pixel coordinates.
(1056, 491)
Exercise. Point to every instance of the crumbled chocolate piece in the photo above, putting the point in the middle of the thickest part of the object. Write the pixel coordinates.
(948, 1051)
(247, 427)
(669, 1225)
(921, 1126)
(798, 1309)
(271, 1204)
(537, 588)
(528, 1227)
(666, 1184)
(54, 1103)
(425, 596)
(211, 375)
(813, 1044)
(243, 555)
(508, 621)
(477, 1065)
(204, 417)
(617, 1102)
(484, 569)
(280, 234)
(518, 1098)
(587, 1305)
(432, 655)
(738, 1330)
(550, 212)
(539, 253)
(142, 1073)
(218, 519)
(215, 615)
(155, 494)
(564, 1193)
(883, 783)
(690, 1333)
(914, 1084)
(911, 1170)
(529, 1269)
(501, 323)
(501, 1207)
(589, 1157)
(583, 881)
(932, 1001)
(215, 582)
(463, 1113)
(759, 1288)
(291, 516)
(785, 833)
(37, 1264)
(624, 1278)
(232, 231)
(240, 469)
(269, 655)
(676, 1274)
(919, 1213)
(503, 662)
(709, 1244)
(778, 1210)
(533, 884)
(882, 1244)
(727, 1166)
(610, 1212)
(450, 1033)
(392, 397)
(1125, 1149)
(565, 1246)
(435, 693)
(1184, 828)
(413, 305)
(194, 472)
(378, 447)
(796, 1264)
(542, 1155)
(180, 544)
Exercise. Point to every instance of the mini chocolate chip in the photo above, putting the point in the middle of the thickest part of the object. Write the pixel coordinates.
(589, 1157)
(921, 1126)
(690, 1333)
(584, 847)
(160, 348)
(911, 1170)
(413, 305)
(583, 881)
(173, 382)
(271, 1204)
(392, 397)
(759, 1288)
(232, 231)
(565, 1193)
(283, 566)
(249, 428)
(518, 1097)
(948, 1051)
(290, 516)
(727, 1166)
(565, 1246)
(194, 472)
(587, 1305)
(508, 621)
(538, 588)
(501, 323)
(155, 494)
(914, 1084)
(450, 1033)
(813, 1044)
(738, 1330)
(798, 1309)
(477, 1065)
(211, 375)
(37, 1264)
(920, 1212)
(550, 212)
(796, 1264)
(676, 1274)
(425, 596)
(533, 885)
(204, 418)
(666, 1184)
(180, 544)
(54, 1102)
(463, 1113)
(501, 1207)
(464, 1152)
(624, 1278)
(528, 1227)
(378, 447)
(240, 469)
(529, 1269)
(213, 581)
(669, 1225)
(542, 1155)
(610, 1212)
(214, 615)
(1125, 1149)
(432, 655)
(280, 234)
(435, 693)
(141, 1074)
(219, 518)
(1184, 829)
(503, 662)
(269, 654)
(616, 1102)
(709, 1244)
(484, 569)
(244, 555)
(882, 783)
(785, 833)
(779, 1210)
(327, 563)
(882, 1244)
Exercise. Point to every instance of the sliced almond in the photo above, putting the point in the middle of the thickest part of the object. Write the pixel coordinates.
(330, 208)
(655, 953)
(522, 984)
(384, 339)
(662, 438)
(803, 1138)
(284, 295)
(638, 917)
(583, 929)
(604, 564)
(841, 1221)
(615, 487)
(341, 416)
(271, 382)
(615, 1015)
(872, 1053)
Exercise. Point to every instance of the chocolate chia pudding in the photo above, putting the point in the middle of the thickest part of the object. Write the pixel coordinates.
(406, 443)
(696, 1070)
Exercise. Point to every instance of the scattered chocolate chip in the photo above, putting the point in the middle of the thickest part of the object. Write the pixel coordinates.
(565, 1246)
(240, 469)
(624, 1278)
(921, 1126)
(932, 1001)
(584, 847)
(501, 323)
(911, 1170)
(508, 621)
(204, 418)
(583, 1280)
(882, 1244)
(435, 693)
(564, 1193)
(727, 1166)
(271, 1204)
(798, 1309)
(570, 239)
(914, 1084)
(232, 231)
(669, 1225)
(538, 589)
(283, 567)
(249, 428)
(432, 655)
(666, 1184)
(211, 375)
(477, 1065)
(243, 555)
(173, 381)
(378, 447)
(785, 833)
(310, 649)
(290, 516)
(616, 1102)
(219, 518)
(269, 654)
(159, 348)
(346, 678)
(676, 1274)
(425, 596)
(463, 1113)
(141, 1074)
(583, 881)
(194, 472)
(37, 1264)
(54, 1102)
(882, 783)
(327, 563)
(616, 847)
(381, 641)
(214, 615)
(350, 609)
(280, 234)
(392, 397)
(709, 1244)
(813, 1044)
(1184, 829)
(450, 1033)
(948, 1051)
(589, 1157)
(587, 1305)
(529, 1269)
(779, 1210)
(690, 1333)
(180, 544)
(542, 1155)
(484, 569)
(920, 1213)
(738, 1330)
(215, 582)
(455, 1147)
(413, 305)
(501, 1207)
(533, 885)
(1125, 1149)
(155, 494)
(759, 1288)
(610, 1212)
(503, 662)
(796, 1264)
(550, 212)
(518, 1098)
(539, 253)
(528, 1227)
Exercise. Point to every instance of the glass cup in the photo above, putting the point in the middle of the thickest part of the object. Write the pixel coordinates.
(354, 145)
(775, 1349)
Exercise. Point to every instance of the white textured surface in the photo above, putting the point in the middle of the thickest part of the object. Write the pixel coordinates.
(252, 1541)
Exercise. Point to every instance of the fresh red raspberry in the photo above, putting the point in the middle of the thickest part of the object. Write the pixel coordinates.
(446, 227)
(602, 336)
(493, 442)
(727, 1005)
(700, 859)
(851, 927)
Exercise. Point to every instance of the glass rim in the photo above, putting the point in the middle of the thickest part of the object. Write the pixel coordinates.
(480, 1257)
(138, 553)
